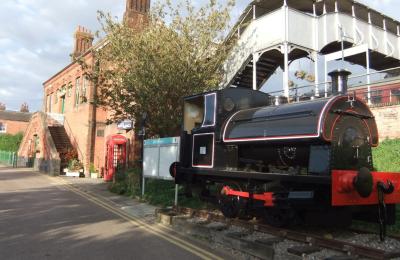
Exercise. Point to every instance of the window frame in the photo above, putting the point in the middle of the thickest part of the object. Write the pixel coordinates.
(3, 128)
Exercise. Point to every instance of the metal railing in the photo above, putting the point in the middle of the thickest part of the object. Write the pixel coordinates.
(8, 158)
(376, 88)
(57, 117)
(74, 142)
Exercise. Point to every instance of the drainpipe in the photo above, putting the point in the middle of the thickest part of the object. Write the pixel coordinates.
(90, 151)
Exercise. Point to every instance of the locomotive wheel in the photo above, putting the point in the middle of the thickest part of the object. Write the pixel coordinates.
(278, 216)
(230, 206)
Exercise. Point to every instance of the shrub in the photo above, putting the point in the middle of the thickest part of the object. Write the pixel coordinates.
(75, 165)
(10, 142)
(69, 155)
(93, 168)
(386, 157)
(127, 182)
(157, 192)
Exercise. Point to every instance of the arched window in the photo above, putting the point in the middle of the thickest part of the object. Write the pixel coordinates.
(3, 128)
(49, 102)
(84, 87)
(77, 91)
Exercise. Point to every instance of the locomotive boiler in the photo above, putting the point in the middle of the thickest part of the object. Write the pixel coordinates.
(285, 161)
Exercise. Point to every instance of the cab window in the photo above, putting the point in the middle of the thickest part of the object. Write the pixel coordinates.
(193, 113)
(209, 103)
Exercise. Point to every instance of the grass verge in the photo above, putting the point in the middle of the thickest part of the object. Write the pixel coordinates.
(157, 192)
(386, 156)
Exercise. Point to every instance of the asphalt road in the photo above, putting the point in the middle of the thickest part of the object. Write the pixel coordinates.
(43, 219)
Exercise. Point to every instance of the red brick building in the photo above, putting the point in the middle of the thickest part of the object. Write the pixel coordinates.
(70, 117)
(12, 122)
(384, 102)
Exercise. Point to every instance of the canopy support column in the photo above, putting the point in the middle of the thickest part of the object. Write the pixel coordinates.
(255, 59)
(368, 78)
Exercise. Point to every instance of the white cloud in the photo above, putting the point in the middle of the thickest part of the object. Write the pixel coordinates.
(5, 93)
(36, 39)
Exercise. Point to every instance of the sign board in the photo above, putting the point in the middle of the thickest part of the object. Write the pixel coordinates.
(161, 141)
(125, 125)
(158, 155)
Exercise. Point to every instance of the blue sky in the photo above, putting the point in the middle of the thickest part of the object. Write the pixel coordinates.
(36, 40)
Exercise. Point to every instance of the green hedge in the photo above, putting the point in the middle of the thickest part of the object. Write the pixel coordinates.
(10, 142)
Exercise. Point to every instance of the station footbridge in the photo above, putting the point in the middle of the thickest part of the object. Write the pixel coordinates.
(273, 33)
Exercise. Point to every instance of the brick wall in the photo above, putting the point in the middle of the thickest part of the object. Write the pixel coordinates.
(78, 117)
(76, 125)
(37, 143)
(14, 127)
(65, 85)
(388, 121)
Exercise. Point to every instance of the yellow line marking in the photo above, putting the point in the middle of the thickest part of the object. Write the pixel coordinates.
(135, 221)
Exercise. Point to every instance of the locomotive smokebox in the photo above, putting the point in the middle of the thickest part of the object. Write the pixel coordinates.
(339, 81)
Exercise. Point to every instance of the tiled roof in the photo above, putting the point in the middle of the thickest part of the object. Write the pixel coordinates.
(15, 116)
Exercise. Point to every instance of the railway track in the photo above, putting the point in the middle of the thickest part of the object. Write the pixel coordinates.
(312, 239)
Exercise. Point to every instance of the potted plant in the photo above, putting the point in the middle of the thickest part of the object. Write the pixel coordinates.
(94, 173)
(75, 168)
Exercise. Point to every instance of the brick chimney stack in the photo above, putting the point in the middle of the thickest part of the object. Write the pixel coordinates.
(83, 41)
(136, 13)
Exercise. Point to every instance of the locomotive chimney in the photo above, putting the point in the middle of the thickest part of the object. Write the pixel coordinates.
(339, 81)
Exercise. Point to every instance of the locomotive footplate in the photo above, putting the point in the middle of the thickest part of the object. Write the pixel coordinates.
(256, 175)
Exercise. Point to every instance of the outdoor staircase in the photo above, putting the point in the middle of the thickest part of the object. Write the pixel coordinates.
(265, 68)
(62, 143)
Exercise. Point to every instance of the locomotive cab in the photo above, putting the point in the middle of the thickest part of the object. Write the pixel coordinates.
(203, 117)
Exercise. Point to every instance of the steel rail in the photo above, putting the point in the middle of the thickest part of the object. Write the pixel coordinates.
(311, 239)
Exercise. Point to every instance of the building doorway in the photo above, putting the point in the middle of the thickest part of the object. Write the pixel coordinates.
(62, 104)
(32, 150)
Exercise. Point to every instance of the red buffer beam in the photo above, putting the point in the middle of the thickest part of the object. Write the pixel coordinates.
(344, 192)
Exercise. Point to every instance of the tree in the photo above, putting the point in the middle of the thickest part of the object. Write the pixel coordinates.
(179, 52)
(24, 108)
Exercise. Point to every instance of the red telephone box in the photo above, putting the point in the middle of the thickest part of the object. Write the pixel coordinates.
(115, 155)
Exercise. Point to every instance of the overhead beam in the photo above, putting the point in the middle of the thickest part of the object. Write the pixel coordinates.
(347, 52)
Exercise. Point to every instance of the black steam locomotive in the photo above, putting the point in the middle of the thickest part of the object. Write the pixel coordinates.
(284, 161)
